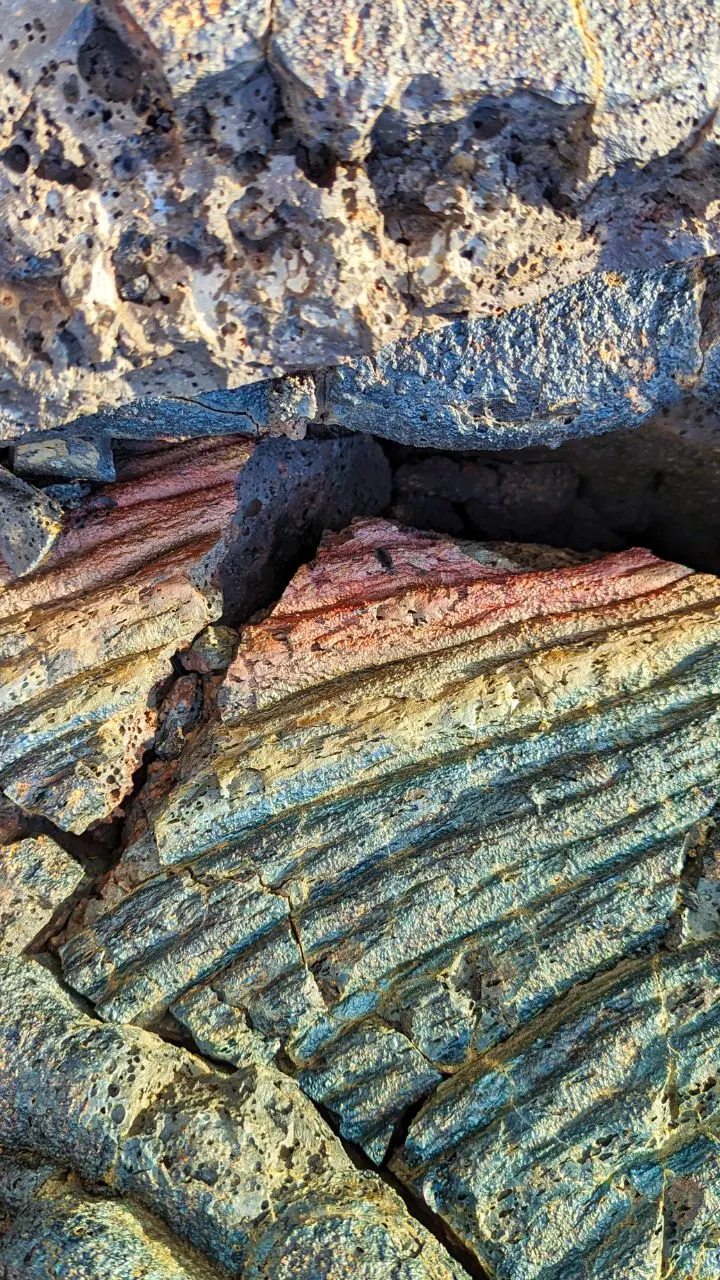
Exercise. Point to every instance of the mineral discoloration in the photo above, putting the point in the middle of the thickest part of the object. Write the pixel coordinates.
(449, 783)
(30, 524)
(36, 877)
(141, 568)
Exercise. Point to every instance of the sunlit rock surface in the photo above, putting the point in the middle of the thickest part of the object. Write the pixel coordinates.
(589, 1144)
(30, 524)
(199, 195)
(36, 877)
(239, 1165)
(450, 784)
(57, 1229)
(139, 571)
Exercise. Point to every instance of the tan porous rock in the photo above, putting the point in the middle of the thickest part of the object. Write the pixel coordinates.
(200, 195)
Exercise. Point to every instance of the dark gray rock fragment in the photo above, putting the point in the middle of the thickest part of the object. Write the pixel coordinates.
(596, 356)
(73, 457)
(268, 407)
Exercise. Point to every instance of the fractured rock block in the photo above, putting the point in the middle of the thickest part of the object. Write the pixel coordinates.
(61, 1230)
(30, 524)
(197, 195)
(605, 353)
(589, 1145)
(139, 571)
(71, 456)
(449, 782)
(85, 642)
(36, 876)
(241, 1165)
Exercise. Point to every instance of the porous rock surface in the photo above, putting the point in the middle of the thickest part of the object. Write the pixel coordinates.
(200, 195)
(140, 569)
(56, 1228)
(240, 1165)
(447, 848)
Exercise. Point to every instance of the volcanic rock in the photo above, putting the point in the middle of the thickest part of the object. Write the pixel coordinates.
(140, 569)
(36, 876)
(449, 803)
(30, 523)
(59, 1229)
(70, 456)
(240, 1165)
(196, 197)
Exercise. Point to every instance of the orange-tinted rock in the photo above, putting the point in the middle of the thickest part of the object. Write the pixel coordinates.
(141, 569)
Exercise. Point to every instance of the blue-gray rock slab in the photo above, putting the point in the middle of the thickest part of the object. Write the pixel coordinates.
(599, 355)
(588, 1146)
(269, 406)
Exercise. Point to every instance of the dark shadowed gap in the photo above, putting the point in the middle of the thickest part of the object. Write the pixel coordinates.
(656, 486)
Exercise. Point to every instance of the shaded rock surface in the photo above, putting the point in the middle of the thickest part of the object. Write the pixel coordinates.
(450, 784)
(654, 486)
(139, 571)
(198, 196)
(239, 1165)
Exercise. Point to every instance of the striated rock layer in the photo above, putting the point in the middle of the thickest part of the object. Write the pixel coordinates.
(436, 850)
(196, 196)
(138, 572)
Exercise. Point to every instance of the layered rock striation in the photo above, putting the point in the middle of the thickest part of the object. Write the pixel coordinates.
(240, 1165)
(140, 569)
(447, 844)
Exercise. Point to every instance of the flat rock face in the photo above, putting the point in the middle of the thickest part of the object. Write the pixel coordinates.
(139, 571)
(436, 852)
(198, 195)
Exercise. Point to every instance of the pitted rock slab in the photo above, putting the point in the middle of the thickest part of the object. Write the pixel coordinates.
(605, 353)
(449, 782)
(231, 1163)
(61, 1230)
(30, 524)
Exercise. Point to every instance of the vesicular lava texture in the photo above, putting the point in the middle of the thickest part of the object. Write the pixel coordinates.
(359, 869)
